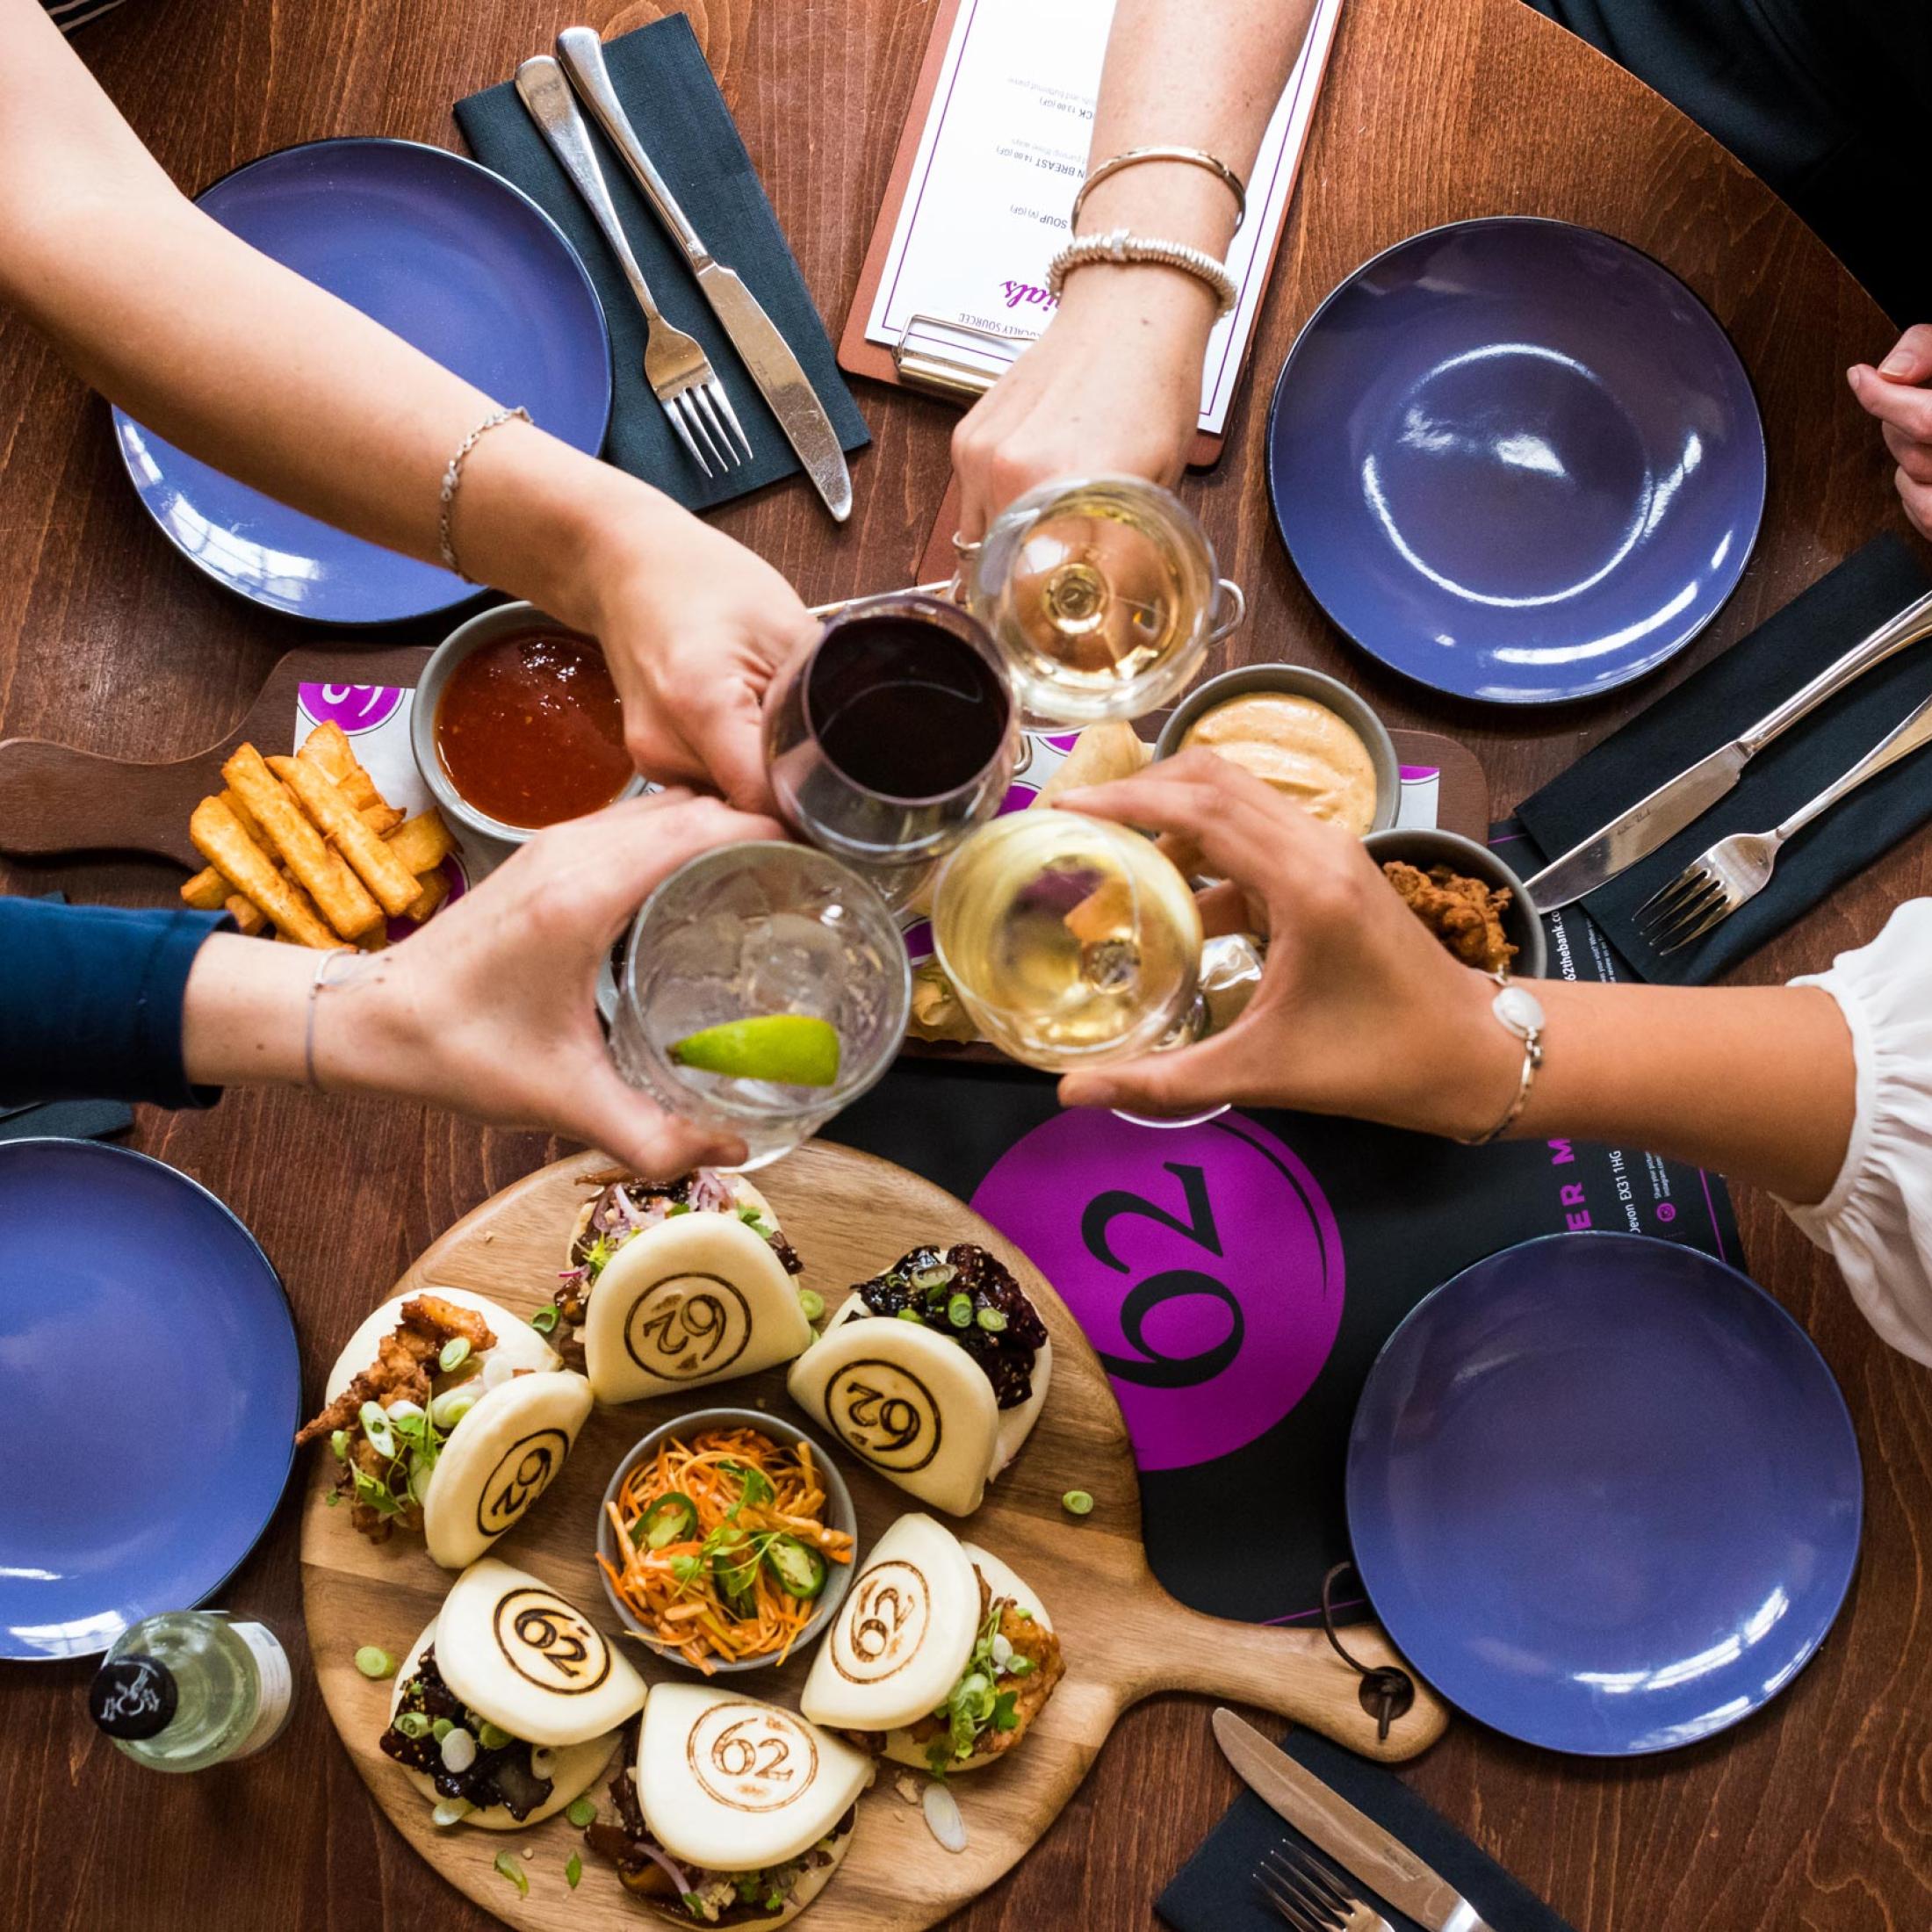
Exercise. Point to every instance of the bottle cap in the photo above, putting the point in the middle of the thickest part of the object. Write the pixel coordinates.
(132, 1696)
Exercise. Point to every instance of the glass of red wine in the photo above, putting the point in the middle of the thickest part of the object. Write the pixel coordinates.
(892, 736)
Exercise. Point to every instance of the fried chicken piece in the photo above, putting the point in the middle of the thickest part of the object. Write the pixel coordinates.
(1464, 913)
(423, 1324)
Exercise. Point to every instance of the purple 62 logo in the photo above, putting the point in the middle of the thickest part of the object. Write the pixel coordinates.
(1203, 1262)
(355, 707)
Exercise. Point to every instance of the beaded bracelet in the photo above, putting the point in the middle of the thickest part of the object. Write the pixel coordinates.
(1117, 245)
(452, 478)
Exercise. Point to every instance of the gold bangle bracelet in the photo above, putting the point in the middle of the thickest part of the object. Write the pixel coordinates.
(1194, 157)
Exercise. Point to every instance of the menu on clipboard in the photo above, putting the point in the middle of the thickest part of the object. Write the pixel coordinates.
(953, 285)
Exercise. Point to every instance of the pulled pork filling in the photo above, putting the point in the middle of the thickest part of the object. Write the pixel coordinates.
(965, 1294)
(625, 1205)
(377, 1485)
(689, 1892)
(499, 1776)
(1014, 1665)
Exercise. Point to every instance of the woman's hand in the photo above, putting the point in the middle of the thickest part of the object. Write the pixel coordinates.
(1359, 1010)
(1113, 386)
(1896, 393)
(694, 626)
(490, 1010)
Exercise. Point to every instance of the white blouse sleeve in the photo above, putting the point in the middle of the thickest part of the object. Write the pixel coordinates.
(1877, 1221)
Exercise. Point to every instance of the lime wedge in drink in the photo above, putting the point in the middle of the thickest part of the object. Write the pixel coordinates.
(789, 1048)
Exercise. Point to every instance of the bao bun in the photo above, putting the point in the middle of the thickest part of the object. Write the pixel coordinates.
(699, 1298)
(729, 1785)
(517, 1343)
(914, 1404)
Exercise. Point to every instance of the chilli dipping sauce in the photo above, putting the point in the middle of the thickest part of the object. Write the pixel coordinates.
(528, 729)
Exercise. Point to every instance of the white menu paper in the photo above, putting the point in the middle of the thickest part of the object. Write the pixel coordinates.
(1005, 147)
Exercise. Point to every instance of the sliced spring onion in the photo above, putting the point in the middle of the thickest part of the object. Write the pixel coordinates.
(1076, 1503)
(573, 1869)
(545, 1319)
(1002, 1652)
(496, 1371)
(338, 1443)
(509, 1868)
(811, 1302)
(442, 1728)
(491, 1737)
(935, 1277)
(582, 1811)
(1018, 1665)
(413, 1723)
(942, 1818)
(450, 1811)
(459, 1750)
(959, 1311)
(402, 1411)
(452, 1406)
(375, 1425)
(993, 1319)
(911, 1315)
(421, 1470)
(375, 1663)
(455, 1353)
(542, 1760)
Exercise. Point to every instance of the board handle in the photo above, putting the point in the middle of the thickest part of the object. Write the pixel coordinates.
(56, 799)
(1296, 1675)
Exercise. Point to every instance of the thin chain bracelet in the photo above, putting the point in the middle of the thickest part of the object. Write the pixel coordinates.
(452, 480)
(323, 967)
(1117, 245)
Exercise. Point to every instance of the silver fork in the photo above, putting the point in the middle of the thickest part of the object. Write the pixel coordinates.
(1710, 889)
(1307, 1896)
(674, 365)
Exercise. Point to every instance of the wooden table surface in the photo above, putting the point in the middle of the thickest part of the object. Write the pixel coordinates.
(1817, 1814)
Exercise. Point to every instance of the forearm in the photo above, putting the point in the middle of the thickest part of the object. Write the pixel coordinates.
(1757, 1083)
(1206, 74)
(257, 372)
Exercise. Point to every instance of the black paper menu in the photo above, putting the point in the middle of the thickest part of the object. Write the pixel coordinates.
(1239, 1278)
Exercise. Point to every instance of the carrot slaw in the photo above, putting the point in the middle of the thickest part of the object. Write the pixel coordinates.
(722, 1545)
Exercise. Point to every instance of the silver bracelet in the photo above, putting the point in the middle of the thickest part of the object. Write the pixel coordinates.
(453, 480)
(1194, 157)
(1117, 245)
(1519, 1012)
(322, 969)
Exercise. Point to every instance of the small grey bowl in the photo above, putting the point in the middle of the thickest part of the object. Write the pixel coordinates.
(1428, 847)
(486, 627)
(1296, 680)
(839, 1512)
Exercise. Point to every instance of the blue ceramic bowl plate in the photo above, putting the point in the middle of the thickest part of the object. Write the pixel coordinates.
(1605, 1494)
(1516, 460)
(153, 1390)
(456, 261)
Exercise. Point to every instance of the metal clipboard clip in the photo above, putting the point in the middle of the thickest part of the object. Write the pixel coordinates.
(954, 359)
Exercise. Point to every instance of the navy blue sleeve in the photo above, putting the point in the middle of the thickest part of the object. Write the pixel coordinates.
(90, 1002)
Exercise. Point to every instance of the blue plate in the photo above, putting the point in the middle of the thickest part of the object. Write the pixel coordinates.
(1605, 1494)
(151, 1394)
(1516, 460)
(454, 260)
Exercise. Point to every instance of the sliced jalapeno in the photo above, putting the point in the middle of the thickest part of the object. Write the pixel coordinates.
(798, 1569)
(671, 1519)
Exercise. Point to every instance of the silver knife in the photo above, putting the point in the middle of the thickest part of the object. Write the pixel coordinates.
(762, 349)
(1653, 820)
(1352, 1838)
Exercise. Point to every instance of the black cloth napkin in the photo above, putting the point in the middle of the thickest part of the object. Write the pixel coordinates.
(1214, 1890)
(66, 1121)
(1725, 697)
(660, 76)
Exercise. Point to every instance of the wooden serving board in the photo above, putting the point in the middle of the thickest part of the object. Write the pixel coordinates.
(55, 798)
(849, 1216)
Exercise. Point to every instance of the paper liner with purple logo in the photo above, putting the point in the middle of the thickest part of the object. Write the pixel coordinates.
(376, 718)
(1202, 1262)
